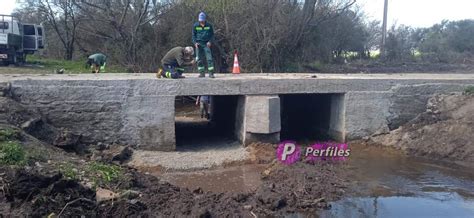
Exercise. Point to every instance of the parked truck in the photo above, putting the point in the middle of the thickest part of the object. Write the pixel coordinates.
(18, 39)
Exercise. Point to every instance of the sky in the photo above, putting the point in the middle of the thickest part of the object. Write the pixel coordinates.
(419, 13)
(416, 13)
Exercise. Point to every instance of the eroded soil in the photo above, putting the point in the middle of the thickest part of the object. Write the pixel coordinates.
(444, 132)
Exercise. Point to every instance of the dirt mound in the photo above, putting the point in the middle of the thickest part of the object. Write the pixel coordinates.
(14, 113)
(287, 189)
(37, 194)
(444, 131)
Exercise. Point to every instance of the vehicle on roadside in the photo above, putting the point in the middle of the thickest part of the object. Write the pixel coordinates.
(18, 39)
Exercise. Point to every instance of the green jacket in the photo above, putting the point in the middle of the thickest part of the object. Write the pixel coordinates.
(175, 57)
(202, 35)
(98, 58)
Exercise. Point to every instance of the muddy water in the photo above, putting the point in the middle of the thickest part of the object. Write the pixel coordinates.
(382, 183)
(386, 183)
(236, 179)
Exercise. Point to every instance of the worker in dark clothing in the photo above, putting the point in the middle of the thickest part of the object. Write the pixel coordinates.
(174, 61)
(203, 37)
(96, 62)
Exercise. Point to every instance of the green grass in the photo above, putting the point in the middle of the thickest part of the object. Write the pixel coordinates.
(103, 174)
(12, 153)
(8, 134)
(74, 66)
(469, 90)
(68, 171)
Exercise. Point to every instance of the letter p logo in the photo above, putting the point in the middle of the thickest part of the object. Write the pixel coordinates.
(288, 152)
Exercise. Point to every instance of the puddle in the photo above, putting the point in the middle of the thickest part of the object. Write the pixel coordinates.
(386, 183)
(236, 179)
(434, 204)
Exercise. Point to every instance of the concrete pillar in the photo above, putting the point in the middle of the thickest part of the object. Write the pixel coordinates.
(261, 119)
(337, 118)
(148, 121)
(366, 113)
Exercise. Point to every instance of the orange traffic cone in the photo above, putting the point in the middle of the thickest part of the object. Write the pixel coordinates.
(236, 69)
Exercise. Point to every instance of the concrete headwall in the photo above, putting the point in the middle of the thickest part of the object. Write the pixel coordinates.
(140, 111)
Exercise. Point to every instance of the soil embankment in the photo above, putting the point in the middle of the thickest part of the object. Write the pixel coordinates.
(444, 132)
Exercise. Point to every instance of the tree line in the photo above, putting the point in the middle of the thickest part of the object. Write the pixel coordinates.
(270, 36)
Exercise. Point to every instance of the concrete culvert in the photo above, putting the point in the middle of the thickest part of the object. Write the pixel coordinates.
(312, 116)
(194, 127)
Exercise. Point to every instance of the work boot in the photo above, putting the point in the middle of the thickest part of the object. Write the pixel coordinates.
(159, 73)
(201, 75)
(181, 77)
(211, 75)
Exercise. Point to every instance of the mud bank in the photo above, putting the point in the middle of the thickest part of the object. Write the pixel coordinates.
(284, 190)
(443, 132)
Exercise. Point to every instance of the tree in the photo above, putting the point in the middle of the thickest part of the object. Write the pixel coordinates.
(123, 28)
(62, 17)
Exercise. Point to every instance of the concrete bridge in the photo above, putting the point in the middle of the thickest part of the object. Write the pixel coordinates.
(139, 109)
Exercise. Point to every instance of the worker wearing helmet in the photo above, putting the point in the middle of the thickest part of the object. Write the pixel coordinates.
(203, 36)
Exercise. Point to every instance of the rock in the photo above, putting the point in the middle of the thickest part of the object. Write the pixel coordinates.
(5, 89)
(204, 213)
(130, 194)
(67, 140)
(105, 195)
(278, 204)
(124, 155)
(118, 153)
(37, 164)
(102, 146)
(198, 191)
(60, 71)
(28, 124)
(89, 185)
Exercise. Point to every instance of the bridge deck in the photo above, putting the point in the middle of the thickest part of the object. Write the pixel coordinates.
(243, 77)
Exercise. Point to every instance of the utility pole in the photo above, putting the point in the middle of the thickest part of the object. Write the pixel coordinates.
(384, 29)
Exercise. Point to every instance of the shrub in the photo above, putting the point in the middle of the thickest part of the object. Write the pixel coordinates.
(104, 174)
(12, 153)
(8, 134)
(469, 90)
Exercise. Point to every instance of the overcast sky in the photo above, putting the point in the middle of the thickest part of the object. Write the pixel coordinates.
(417, 13)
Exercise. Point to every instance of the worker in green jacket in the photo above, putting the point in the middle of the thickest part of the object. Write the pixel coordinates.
(174, 61)
(203, 37)
(96, 62)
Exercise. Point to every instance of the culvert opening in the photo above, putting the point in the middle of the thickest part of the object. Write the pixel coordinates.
(195, 128)
(312, 117)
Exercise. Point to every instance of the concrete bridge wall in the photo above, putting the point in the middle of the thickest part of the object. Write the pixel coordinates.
(140, 110)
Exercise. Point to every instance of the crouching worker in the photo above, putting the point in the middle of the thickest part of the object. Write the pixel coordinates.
(96, 62)
(174, 61)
